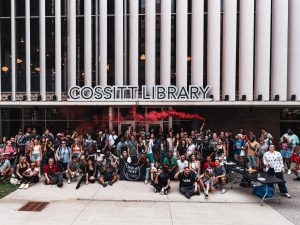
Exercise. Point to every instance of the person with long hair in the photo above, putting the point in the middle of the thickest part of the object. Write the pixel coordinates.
(36, 154)
(76, 148)
(89, 175)
(22, 166)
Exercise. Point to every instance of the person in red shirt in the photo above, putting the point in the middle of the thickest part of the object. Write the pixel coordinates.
(208, 164)
(53, 174)
(295, 158)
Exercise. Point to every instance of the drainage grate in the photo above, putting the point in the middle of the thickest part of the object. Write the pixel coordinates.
(34, 206)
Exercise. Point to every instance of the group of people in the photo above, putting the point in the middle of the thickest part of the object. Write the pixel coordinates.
(197, 159)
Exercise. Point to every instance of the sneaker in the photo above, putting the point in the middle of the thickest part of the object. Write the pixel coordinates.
(297, 178)
(162, 192)
(287, 195)
(166, 192)
(110, 183)
(146, 181)
(223, 191)
(21, 186)
(289, 172)
(105, 184)
(155, 191)
(26, 186)
(78, 186)
(197, 193)
(69, 181)
(206, 196)
(60, 185)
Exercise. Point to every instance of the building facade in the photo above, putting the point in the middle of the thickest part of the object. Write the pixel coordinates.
(246, 51)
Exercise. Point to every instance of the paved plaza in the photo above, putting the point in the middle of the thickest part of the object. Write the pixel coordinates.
(135, 203)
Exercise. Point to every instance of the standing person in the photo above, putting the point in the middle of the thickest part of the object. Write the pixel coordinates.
(112, 139)
(36, 152)
(53, 174)
(274, 166)
(10, 152)
(182, 148)
(187, 183)
(230, 144)
(76, 149)
(63, 156)
(292, 138)
(296, 162)
(132, 148)
(220, 151)
(191, 147)
(141, 146)
(101, 141)
(286, 153)
(213, 144)
(267, 136)
(251, 148)
(239, 146)
(161, 182)
(261, 150)
(149, 149)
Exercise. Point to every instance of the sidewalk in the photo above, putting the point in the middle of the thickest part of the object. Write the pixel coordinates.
(135, 203)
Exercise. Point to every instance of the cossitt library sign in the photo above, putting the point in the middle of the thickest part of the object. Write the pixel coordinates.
(132, 93)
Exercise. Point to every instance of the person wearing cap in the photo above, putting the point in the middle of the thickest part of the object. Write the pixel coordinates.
(161, 182)
(5, 168)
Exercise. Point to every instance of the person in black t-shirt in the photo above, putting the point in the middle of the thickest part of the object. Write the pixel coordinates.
(161, 182)
(108, 174)
(187, 183)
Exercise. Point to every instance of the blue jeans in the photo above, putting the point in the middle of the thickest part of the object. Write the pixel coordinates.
(147, 175)
(252, 161)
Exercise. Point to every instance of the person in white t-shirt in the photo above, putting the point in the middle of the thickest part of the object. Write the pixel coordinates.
(274, 165)
(182, 163)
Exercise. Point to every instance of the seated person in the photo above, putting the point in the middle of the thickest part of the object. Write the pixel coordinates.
(170, 165)
(187, 182)
(142, 159)
(31, 175)
(153, 171)
(206, 182)
(89, 173)
(182, 163)
(219, 176)
(73, 169)
(295, 158)
(108, 174)
(162, 182)
(22, 166)
(5, 168)
(53, 174)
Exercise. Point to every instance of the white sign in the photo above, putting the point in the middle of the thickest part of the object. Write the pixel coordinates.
(131, 93)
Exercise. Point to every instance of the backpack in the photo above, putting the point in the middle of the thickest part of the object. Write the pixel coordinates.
(260, 191)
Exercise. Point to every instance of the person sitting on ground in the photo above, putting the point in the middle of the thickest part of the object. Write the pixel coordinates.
(31, 175)
(206, 182)
(170, 165)
(73, 169)
(187, 183)
(108, 174)
(274, 166)
(5, 168)
(219, 176)
(296, 162)
(53, 174)
(22, 166)
(153, 171)
(162, 182)
(182, 163)
(89, 174)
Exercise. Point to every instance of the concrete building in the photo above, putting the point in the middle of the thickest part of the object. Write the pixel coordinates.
(247, 51)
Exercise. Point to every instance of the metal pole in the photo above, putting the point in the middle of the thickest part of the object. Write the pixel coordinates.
(125, 43)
